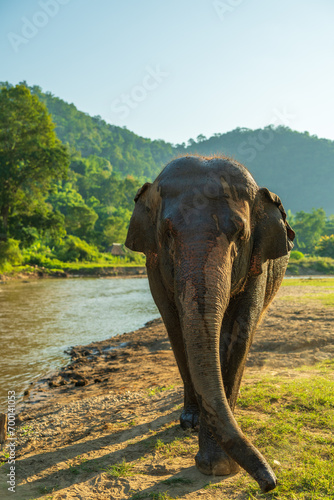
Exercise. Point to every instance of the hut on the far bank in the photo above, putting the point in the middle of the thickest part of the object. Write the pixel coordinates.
(116, 249)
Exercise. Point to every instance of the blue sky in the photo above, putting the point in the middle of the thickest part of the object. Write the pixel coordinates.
(176, 69)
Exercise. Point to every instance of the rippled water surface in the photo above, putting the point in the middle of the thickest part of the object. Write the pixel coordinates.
(40, 319)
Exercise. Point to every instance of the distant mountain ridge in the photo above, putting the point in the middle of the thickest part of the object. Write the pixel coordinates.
(296, 166)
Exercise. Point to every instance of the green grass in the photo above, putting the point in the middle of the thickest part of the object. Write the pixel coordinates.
(326, 299)
(292, 422)
(323, 283)
(26, 430)
(176, 448)
(3, 457)
(155, 390)
(151, 495)
(212, 486)
(121, 469)
(176, 481)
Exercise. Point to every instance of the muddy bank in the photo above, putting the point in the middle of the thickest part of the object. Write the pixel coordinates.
(108, 271)
(42, 272)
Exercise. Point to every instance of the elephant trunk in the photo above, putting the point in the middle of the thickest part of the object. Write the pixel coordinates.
(203, 293)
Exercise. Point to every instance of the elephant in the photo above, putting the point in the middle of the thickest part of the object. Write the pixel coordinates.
(217, 247)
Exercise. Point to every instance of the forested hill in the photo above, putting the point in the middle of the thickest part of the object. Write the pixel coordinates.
(296, 166)
(128, 153)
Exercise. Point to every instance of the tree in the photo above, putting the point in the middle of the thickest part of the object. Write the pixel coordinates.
(329, 228)
(31, 155)
(325, 246)
(116, 226)
(309, 228)
(79, 218)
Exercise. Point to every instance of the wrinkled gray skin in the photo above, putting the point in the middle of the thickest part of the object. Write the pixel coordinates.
(217, 248)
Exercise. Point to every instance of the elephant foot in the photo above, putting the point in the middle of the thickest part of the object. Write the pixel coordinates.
(219, 464)
(189, 418)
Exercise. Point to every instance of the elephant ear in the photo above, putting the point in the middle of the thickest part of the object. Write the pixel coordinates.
(272, 234)
(140, 237)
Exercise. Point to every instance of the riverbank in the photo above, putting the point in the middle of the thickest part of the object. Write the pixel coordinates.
(308, 266)
(74, 271)
(106, 425)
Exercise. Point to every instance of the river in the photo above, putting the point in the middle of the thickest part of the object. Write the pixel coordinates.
(39, 319)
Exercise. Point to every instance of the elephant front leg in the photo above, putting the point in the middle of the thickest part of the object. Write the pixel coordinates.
(189, 418)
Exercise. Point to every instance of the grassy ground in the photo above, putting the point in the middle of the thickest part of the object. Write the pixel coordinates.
(290, 421)
(325, 297)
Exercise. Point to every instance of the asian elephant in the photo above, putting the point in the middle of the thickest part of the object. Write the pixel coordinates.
(217, 247)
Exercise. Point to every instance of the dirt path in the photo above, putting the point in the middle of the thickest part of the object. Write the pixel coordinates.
(121, 399)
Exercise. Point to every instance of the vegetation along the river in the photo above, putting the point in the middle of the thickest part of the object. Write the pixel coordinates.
(67, 183)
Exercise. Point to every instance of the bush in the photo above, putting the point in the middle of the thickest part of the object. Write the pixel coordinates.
(10, 252)
(296, 255)
(42, 261)
(74, 249)
(39, 255)
(325, 246)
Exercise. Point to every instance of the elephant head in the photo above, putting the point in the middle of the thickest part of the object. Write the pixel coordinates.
(207, 229)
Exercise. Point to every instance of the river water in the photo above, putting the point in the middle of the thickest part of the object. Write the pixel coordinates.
(40, 319)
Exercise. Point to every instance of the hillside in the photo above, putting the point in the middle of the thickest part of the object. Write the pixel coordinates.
(89, 209)
(128, 153)
(296, 166)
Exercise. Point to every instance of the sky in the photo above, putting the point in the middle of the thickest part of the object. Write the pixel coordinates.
(176, 69)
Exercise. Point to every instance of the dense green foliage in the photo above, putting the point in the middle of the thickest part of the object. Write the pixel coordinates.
(50, 213)
(128, 153)
(325, 246)
(54, 213)
(31, 155)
